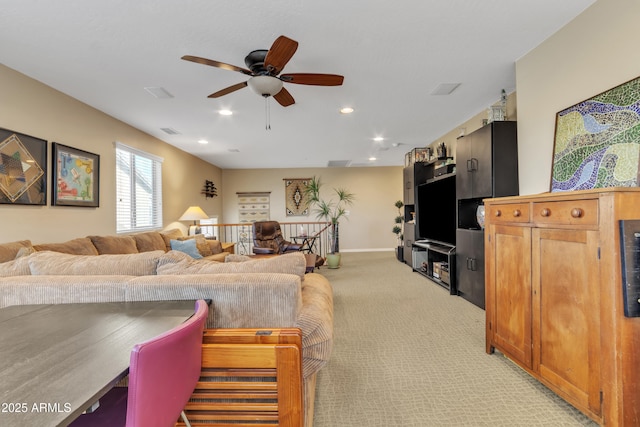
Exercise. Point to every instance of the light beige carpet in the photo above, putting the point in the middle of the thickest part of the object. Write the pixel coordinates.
(409, 354)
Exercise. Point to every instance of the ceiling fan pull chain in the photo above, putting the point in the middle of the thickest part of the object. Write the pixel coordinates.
(267, 113)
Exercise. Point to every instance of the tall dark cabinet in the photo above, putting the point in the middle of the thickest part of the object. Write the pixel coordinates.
(413, 176)
(487, 166)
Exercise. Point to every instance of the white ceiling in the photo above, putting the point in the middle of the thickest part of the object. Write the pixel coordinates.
(392, 54)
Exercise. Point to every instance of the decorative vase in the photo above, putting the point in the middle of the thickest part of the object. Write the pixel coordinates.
(480, 216)
(333, 260)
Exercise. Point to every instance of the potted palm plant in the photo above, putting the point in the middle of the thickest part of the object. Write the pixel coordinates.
(332, 211)
(398, 231)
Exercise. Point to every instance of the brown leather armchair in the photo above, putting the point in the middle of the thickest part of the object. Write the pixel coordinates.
(267, 239)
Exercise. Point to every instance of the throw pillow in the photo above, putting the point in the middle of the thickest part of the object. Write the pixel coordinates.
(187, 246)
(25, 251)
(201, 244)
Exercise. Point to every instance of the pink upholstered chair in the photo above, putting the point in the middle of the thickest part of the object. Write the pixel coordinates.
(163, 373)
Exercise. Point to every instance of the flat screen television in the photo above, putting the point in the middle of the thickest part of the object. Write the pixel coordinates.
(436, 210)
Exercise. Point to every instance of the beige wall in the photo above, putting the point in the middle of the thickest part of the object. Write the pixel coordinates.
(593, 53)
(32, 108)
(371, 216)
(474, 123)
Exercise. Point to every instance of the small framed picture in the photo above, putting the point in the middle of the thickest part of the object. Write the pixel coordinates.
(76, 177)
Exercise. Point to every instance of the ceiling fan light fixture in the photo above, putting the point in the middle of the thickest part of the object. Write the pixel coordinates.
(265, 85)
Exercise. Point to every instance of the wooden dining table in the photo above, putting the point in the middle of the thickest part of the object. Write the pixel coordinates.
(57, 360)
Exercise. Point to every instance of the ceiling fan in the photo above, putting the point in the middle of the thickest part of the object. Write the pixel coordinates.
(264, 67)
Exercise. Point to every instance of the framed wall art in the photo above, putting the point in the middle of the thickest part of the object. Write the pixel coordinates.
(296, 202)
(23, 169)
(597, 142)
(75, 178)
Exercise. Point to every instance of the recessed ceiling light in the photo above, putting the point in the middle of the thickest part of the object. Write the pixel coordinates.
(225, 112)
(346, 110)
(378, 139)
(372, 159)
(203, 141)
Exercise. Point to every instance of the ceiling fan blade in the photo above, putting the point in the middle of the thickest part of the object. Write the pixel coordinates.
(228, 90)
(218, 64)
(313, 79)
(284, 98)
(280, 53)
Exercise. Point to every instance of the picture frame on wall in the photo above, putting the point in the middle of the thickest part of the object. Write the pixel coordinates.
(75, 177)
(23, 169)
(597, 141)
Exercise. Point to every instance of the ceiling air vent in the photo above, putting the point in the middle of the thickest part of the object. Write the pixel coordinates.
(445, 88)
(158, 92)
(338, 163)
(170, 131)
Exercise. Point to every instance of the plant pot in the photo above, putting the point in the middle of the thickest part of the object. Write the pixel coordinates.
(400, 253)
(333, 260)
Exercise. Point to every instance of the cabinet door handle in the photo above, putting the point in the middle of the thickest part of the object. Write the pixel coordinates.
(407, 186)
(468, 264)
(498, 212)
(577, 213)
(472, 164)
(517, 213)
(545, 212)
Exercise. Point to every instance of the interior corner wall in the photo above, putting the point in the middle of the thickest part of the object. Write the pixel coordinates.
(371, 218)
(474, 123)
(32, 108)
(593, 53)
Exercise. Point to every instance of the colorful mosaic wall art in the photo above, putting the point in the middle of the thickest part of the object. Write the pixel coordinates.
(597, 142)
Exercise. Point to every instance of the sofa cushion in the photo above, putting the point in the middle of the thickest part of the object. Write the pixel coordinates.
(8, 251)
(17, 267)
(174, 262)
(26, 251)
(149, 241)
(186, 246)
(201, 244)
(80, 246)
(54, 263)
(114, 244)
(168, 235)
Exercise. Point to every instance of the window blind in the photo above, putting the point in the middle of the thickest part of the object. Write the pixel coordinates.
(138, 190)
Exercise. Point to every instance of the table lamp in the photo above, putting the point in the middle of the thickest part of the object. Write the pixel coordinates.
(194, 213)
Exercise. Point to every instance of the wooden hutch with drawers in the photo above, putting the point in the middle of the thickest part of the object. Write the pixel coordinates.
(554, 296)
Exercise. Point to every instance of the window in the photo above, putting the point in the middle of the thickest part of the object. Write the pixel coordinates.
(209, 227)
(138, 190)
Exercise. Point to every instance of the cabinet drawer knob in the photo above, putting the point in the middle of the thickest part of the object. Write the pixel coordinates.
(545, 212)
(577, 213)
(498, 212)
(517, 213)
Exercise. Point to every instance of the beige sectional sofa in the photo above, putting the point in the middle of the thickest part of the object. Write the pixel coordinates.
(248, 293)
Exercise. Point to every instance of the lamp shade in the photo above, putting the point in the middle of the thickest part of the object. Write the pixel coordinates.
(194, 213)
